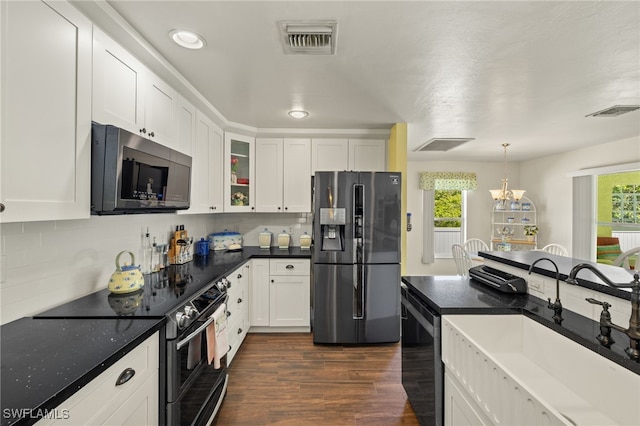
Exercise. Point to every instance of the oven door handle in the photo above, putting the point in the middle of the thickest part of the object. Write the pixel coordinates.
(186, 340)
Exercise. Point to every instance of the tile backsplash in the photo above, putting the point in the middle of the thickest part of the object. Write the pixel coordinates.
(44, 264)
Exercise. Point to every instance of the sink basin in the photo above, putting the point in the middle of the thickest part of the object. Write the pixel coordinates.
(537, 373)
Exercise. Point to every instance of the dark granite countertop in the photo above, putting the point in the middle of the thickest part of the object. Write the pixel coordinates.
(455, 295)
(523, 259)
(45, 361)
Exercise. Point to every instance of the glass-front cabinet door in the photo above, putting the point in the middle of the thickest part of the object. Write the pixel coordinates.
(239, 189)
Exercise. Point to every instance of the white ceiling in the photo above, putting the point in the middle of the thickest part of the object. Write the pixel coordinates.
(522, 72)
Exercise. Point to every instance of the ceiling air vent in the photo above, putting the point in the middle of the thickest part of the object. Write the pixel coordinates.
(614, 111)
(442, 144)
(309, 37)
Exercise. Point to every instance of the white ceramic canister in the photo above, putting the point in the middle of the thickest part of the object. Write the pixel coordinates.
(305, 241)
(283, 240)
(264, 239)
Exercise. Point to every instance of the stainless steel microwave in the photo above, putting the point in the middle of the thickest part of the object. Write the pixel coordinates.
(131, 174)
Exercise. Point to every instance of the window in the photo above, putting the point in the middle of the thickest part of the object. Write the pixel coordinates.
(447, 227)
(618, 207)
(448, 221)
(625, 204)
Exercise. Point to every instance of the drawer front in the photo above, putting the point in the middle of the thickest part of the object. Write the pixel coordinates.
(237, 330)
(237, 303)
(289, 267)
(100, 397)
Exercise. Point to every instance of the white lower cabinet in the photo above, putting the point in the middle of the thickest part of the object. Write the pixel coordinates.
(280, 295)
(101, 401)
(237, 308)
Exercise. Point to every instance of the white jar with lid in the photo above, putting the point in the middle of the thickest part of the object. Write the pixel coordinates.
(283, 240)
(305, 241)
(264, 239)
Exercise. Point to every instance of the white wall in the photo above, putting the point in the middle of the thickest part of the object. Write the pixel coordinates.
(44, 264)
(545, 180)
(550, 188)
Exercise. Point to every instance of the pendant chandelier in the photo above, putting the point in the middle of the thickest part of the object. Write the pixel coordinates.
(505, 194)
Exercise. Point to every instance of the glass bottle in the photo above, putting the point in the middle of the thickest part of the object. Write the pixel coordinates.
(147, 253)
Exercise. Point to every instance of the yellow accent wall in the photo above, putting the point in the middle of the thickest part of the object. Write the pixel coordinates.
(397, 162)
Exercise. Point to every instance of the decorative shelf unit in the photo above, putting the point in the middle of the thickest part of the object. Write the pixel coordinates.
(508, 223)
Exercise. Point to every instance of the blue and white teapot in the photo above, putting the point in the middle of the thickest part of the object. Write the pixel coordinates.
(126, 279)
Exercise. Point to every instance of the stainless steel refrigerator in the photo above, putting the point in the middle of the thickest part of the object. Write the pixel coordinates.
(356, 257)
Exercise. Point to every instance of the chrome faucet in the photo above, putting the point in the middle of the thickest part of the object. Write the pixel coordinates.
(557, 305)
(633, 331)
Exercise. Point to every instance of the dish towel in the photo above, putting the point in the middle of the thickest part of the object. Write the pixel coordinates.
(217, 341)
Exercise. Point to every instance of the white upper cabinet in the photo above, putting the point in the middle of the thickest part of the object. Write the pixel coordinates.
(117, 85)
(367, 155)
(206, 170)
(283, 175)
(46, 112)
(186, 126)
(160, 111)
(269, 174)
(329, 155)
(297, 176)
(239, 173)
(348, 154)
(126, 94)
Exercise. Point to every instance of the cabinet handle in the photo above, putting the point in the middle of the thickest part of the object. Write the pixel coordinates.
(228, 314)
(1, 207)
(143, 130)
(125, 376)
(239, 300)
(289, 266)
(278, 208)
(253, 208)
(286, 208)
(239, 276)
(272, 281)
(151, 134)
(239, 331)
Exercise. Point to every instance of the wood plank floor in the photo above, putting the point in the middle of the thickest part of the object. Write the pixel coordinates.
(284, 379)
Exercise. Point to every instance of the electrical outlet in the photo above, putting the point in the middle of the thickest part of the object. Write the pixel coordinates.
(536, 284)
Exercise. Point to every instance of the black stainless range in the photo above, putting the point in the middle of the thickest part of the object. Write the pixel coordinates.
(191, 389)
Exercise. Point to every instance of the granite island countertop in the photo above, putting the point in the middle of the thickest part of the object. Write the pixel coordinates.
(456, 295)
(586, 278)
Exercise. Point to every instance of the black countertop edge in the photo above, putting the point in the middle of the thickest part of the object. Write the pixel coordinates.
(275, 252)
(585, 278)
(454, 295)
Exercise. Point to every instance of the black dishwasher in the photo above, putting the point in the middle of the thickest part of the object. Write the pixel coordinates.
(422, 370)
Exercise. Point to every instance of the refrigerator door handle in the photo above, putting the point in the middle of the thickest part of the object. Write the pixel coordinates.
(357, 212)
(358, 292)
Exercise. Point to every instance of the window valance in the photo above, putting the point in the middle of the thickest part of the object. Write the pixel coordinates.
(461, 181)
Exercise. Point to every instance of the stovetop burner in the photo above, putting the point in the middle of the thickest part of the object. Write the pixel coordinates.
(162, 293)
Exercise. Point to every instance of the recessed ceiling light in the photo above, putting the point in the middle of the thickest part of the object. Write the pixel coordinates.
(187, 39)
(298, 113)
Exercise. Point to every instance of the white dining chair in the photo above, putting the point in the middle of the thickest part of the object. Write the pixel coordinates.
(462, 259)
(474, 245)
(624, 261)
(555, 249)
